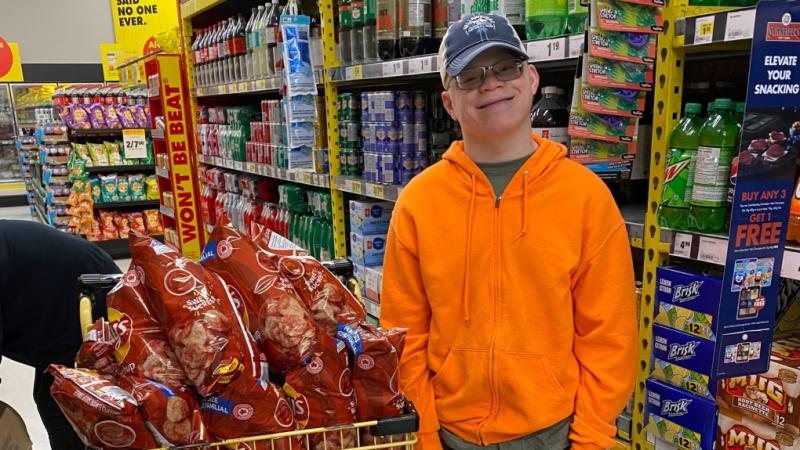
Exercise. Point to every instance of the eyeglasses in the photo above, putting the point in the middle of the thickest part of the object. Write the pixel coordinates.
(473, 77)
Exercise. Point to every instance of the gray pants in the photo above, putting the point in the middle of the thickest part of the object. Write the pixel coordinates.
(555, 437)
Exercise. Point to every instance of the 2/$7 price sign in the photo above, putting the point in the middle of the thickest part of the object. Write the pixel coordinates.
(134, 143)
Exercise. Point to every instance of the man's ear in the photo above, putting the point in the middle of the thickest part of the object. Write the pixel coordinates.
(534, 79)
(447, 101)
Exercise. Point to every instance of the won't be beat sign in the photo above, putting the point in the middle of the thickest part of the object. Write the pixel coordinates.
(136, 22)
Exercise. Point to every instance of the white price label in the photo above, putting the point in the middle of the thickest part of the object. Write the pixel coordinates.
(307, 178)
(419, 65)
(547, 50)
(682, 245)
(251, 167)
(791, 265)
(704, 30)
(134, 143)
(576, 45)
(713, 250)
(739, 25)
(392, 69)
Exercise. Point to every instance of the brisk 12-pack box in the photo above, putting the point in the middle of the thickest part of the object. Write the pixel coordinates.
(679, 418)
(683, 360)
(690, 302)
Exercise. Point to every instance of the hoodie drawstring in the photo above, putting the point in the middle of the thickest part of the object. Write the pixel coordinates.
(524, 228)
(470, 222)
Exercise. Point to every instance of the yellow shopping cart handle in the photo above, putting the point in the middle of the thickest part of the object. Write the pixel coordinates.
(85, 312)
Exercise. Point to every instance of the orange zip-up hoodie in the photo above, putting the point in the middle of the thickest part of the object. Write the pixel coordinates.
(520, 311)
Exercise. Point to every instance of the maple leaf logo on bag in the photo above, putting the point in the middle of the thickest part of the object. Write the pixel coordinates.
(365, 362)
(346, 383)
(114, 434)
(131, 278)
(283, 413)
(243, 411)
(315, 366)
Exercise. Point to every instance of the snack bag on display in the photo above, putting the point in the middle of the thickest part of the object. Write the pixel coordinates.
(97, 116)
(79, 118)
(143, 346)
(322, 394)
(109, 185)
(98, 154)
(123, 225)
(126, 116)
(112, 119)
(82, 151)
(137, 223)
(96, 234)
(136, 187)
(151, 187)
(65, 115)
(249, 407)
(97, 189)
(102, 414)
(140, 116)
(108, 226)
(172, 413)
(113, 152)
(194, 307)
(97, 350)
(279, 320)
(152, 220)
(376, 360)
(123, 188)
(76, 166)
(324, 295)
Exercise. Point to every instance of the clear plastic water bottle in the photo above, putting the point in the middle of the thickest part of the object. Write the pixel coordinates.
(545, 18)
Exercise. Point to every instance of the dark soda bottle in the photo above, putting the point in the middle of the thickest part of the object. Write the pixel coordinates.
(415, 27)
(388, 29)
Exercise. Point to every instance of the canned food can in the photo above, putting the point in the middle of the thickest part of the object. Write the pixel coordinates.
(389, 106)
(407, 161)
(368, 136)
(408, 149)
(420, 101)
(365, 115)
(408, 132)
(344, 160)
(421, 132)
(406, 175)
(420, 115)
(403, 100)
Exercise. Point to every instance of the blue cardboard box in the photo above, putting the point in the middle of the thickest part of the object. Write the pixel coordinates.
(683, 360)
(680, 418)
(688, 301)
(367, 250)
(370, 217)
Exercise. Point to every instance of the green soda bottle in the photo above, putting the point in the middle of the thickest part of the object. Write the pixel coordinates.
(545, 18)
(576, 16)
(316, 239)
(740, 110)
(718, 137)
(326, 250)
(683, 142)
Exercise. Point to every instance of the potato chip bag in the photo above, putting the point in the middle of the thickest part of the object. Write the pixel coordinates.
(151, 187)
(107, 226)
(136, 187)
(98, 154)
(109, 186)
(137, 223)
(112, 119)
(152, 220)
(123, 188)
(112, 150)
(97, 116)
(123, 225)
(126, 116)
(79, 118)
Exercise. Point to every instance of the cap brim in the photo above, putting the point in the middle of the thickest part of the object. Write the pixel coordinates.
(461, 61)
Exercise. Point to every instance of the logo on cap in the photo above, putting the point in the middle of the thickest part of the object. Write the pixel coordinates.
(479, 23)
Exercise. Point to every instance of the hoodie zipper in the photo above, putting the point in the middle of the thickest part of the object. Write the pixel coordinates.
(494, 405)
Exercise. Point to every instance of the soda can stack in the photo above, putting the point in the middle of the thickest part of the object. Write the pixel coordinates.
(412, 112)
(381, 136)
(350, 145)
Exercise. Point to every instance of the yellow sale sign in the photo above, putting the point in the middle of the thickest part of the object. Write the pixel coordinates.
(10, 63)
(136, 22)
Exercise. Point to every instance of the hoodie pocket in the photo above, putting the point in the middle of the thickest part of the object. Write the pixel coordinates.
(531, 396)
(460, 386)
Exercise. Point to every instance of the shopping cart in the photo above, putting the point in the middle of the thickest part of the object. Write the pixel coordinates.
(391, 433)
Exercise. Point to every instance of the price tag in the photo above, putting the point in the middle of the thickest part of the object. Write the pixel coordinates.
(740, 24)
(243, 86)
(134, 143)
(791, 265)
(392, 69)
(419, 65)
(251, 167)
(374, 190)
(704, 30)
(307, 178)
(261, 84)
(547, 50)
(576, 45)
(713, 250)
(682, 245)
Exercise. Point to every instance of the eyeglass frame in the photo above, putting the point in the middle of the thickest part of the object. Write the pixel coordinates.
(484, 73)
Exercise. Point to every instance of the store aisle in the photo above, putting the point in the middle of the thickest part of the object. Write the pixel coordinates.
(16, 380)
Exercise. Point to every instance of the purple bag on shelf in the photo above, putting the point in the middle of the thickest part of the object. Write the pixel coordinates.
(80, 117)
(125, 114)
(140, 116)
(97, 116)
(112, 119)
(65, 115)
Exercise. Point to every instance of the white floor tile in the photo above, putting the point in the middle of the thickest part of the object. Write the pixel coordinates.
(16, 389)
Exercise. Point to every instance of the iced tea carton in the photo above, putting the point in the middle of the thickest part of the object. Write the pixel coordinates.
(679, 418)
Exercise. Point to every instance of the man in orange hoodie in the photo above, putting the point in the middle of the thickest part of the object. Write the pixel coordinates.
(510, 266)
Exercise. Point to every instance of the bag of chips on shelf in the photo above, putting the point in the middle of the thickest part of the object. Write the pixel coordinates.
(109, 185)
(126, 116)
(123, 188)
(97, 189)
(112, 119)
(151, 187)
(152, 220)
(194, 308)
(95, 233)
(76, 166)
(137, 223)
(123, 225)
(97, 116)
(98, 154)
(144, 349)
(113, 151)
(82, 151)
(140, 116)
(103, 414)
(278, 319)
(79, 118)
(108, 226)
(136, 187)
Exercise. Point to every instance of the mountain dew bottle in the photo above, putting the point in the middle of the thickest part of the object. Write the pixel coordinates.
(683, 142)
(576, 16)
(545, 18)
(718, 139)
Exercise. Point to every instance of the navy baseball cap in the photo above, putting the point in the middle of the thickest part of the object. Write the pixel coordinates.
(471, 36)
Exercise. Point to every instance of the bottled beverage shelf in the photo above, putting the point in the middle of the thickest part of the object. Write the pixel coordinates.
(308, 178)
(715, 28)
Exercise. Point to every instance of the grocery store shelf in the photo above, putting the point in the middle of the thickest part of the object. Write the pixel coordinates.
(192, 8)
(308, 178)
(128, 204)
(374, 190)
(263, 85)
(163, 173)
(715, 28)
(55, 139)
(7, 142)
(634, 223)
(563, 49)
(169, 212)
(127, 168)
(56, 160)
(98, 132)
(119, 248)
(41, 215)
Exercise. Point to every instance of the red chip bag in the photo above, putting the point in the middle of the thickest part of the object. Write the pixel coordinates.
(194, 307)
(322, 394)
(173, 414)
(248, 407)
(376, 363)
(279, 320)
(97, 350)
(143, 348)
(102, 414)
(324, 295)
